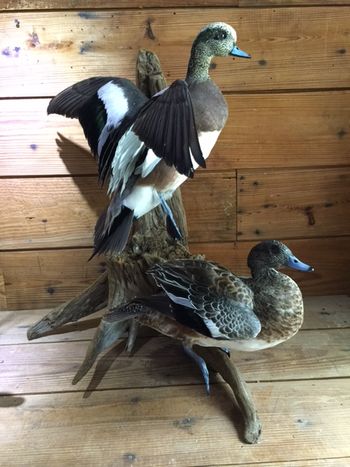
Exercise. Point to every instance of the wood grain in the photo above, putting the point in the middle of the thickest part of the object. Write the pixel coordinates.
(3, 301)
(308, 129)
(334, 462)
(323, 312)
(62, 211)
(293, 203)
(45, 278)
(292, 48)
(263, 130)
(49, 212)
(284, 3)
(31, 145)
(51, 277)
(162, 426)
(160, 361)
(329, 256)
(85, 5)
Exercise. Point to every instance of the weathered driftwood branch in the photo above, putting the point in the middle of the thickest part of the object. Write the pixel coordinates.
(127, 278)
(221, 363)
(92, 299)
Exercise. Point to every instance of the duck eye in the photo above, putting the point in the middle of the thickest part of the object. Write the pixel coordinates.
(275, 249)
(220, 35)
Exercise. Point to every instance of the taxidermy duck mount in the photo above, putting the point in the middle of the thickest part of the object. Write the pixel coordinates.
(147, 147)
(129, 275)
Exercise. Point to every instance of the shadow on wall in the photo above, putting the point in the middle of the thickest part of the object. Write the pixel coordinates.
(10, 400)
(67, 148)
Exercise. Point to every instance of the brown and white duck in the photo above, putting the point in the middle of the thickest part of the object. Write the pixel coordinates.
(149, 147)
(216, 308)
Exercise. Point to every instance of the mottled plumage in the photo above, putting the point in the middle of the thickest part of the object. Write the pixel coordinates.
(205, 304)
(234, 312)
(210, 292)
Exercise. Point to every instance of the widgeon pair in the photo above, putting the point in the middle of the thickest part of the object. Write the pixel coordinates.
(219, 309)
(148, 147)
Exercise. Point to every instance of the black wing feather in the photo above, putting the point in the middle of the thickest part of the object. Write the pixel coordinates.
(168, 136)
(82, 101)
(70, 101)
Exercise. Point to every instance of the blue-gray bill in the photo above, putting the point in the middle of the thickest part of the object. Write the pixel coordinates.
(294, 263)
(237, 52)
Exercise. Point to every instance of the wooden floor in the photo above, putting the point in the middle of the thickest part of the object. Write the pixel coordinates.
(152, 410)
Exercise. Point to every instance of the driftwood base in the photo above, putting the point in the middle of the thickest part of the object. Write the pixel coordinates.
(126, 278)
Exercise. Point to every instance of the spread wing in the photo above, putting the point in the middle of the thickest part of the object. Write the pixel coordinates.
(106, 107)
(193, 284)
(166, 124)
(119, 122)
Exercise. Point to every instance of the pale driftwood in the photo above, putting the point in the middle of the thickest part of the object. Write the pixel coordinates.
(92, 299)
(127, 278)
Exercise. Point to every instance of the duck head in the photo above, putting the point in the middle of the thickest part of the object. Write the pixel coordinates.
(219, 40)
(276, 255)
(214, 40)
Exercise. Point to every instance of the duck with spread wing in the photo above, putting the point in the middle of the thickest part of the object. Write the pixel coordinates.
(148, 147)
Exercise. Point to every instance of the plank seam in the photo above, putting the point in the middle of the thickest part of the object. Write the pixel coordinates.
(224, 172)
(182, 7)
(153, 337)
(226, 242)
(127, 388)
(226, 93)
(278, 463)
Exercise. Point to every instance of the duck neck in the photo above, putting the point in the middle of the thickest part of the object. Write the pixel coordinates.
(198, 65)
(264, 273)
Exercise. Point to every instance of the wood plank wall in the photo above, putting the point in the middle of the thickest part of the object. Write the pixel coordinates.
(280, 169)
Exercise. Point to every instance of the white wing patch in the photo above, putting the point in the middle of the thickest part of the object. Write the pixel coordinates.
(124, 161)
(161, 91)
(141, 200)
(179, 300)
(207, 140)
(116, 105)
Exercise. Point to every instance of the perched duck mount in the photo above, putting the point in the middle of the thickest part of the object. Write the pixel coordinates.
(149, 147)
(215, 308)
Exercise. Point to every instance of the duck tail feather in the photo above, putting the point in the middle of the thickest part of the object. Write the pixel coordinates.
(114, 238)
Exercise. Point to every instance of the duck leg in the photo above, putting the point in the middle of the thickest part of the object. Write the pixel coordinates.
(202, 366)
(172, 227)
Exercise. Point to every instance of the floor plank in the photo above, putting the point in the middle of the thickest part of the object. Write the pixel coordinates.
(334, 462)
(328, 311)
(174, 426)
(159, 361)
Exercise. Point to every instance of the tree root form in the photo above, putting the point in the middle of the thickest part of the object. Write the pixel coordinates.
(220, 362)
(93, 298)
(127, 278)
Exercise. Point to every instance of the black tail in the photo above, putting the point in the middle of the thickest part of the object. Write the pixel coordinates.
(115, 238)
